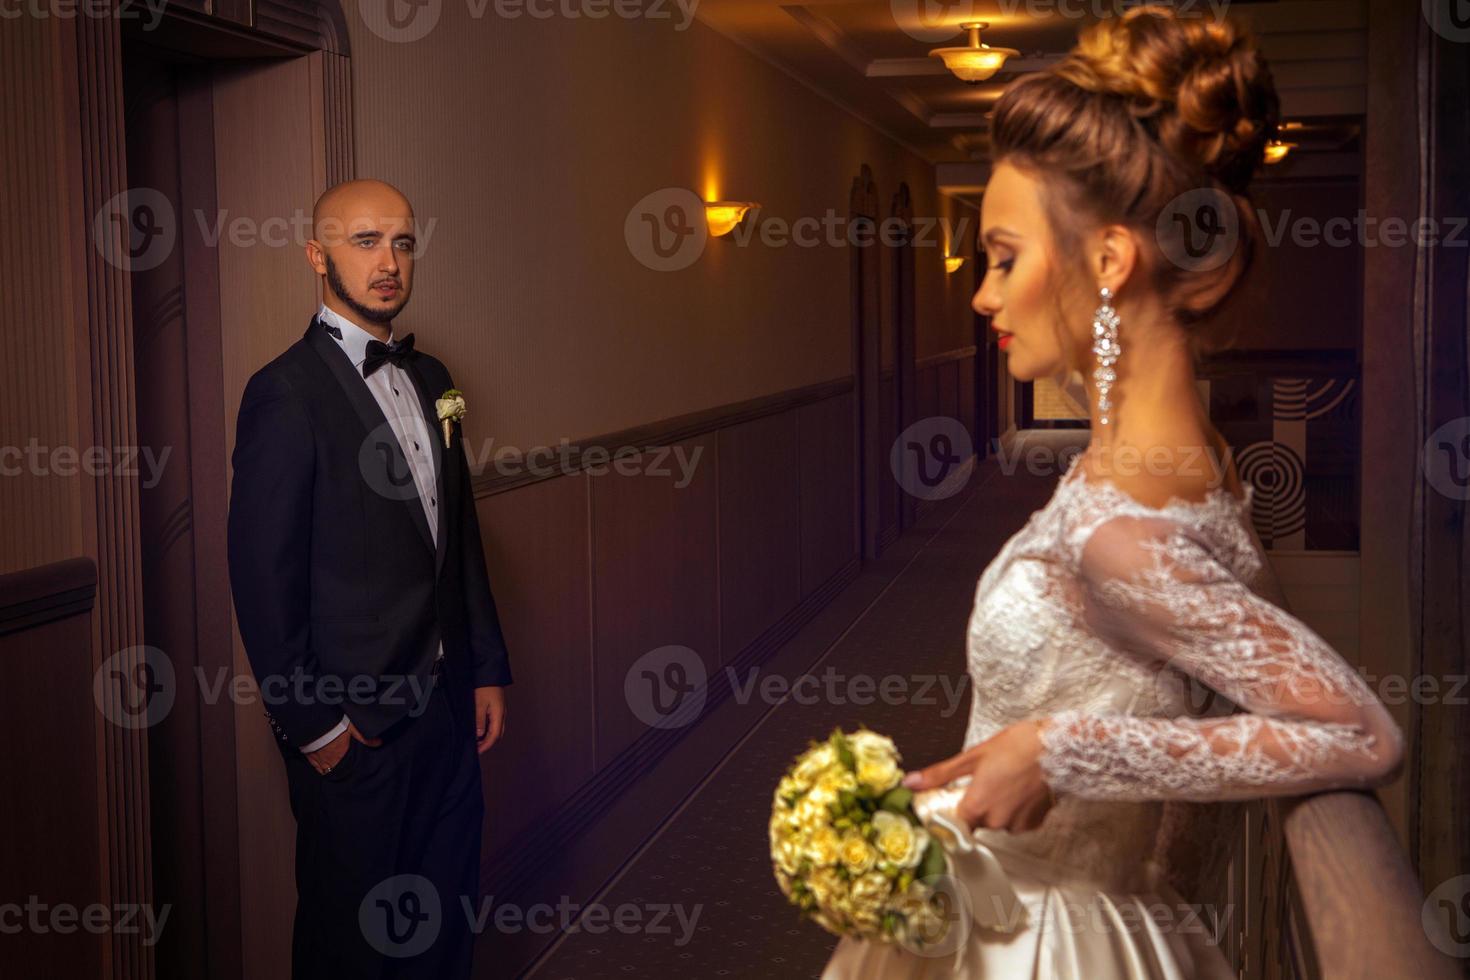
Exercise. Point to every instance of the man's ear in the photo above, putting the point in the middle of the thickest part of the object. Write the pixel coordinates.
(316, 257)
(1114, 256)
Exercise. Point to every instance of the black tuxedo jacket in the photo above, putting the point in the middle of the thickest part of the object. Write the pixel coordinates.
(341, 596)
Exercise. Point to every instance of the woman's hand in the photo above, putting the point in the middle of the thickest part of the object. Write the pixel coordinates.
(1007, 790)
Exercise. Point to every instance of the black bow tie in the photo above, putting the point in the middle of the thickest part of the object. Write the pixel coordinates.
(379, 352)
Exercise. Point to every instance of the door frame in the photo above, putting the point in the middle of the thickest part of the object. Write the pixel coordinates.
(867, 273)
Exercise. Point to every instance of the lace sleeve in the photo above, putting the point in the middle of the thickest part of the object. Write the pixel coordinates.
(1310, 722)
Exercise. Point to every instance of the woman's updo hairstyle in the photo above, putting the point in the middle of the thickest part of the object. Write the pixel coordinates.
(1147, 107)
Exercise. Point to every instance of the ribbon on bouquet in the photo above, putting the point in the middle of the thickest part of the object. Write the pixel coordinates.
(975, 868)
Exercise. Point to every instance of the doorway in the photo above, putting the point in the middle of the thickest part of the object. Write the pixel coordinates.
(210, 105)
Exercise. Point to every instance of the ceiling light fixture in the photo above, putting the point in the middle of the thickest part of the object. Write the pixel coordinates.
(976, 61)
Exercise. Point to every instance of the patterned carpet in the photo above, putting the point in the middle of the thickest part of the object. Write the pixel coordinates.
(710, 862)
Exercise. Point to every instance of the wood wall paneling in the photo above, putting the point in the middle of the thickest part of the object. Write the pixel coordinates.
(888, 488)
(926, 384)
(946, 377)
(1393, 337)
(536, 552)
(655, 579)
(50, 767)
(759, 527)
(828, 490)
(92, 56)
(966, 378)
(41, 253)
(1443, 852)
(926, 400)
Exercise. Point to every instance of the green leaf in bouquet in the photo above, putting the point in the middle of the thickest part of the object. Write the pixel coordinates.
(844, 752)
(933, 861)
(898, 800)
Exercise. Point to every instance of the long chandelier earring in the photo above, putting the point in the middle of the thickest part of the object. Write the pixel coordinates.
(1106, 350)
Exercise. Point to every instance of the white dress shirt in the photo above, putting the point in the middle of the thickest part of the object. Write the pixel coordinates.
(399, 400)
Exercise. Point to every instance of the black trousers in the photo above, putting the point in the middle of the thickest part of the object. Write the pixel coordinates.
(388, 851)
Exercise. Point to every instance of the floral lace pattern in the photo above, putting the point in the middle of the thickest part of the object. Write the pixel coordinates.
(1109, 619)
(1099, 614)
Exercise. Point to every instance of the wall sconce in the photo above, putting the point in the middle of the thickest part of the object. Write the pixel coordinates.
(1276, 150)
(952, 263)
(723, 216)
(975, 62)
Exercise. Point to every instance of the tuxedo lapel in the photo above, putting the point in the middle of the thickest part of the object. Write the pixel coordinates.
(436, 435)
(375, 423)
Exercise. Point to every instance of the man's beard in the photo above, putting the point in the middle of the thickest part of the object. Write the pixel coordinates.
(339, 289)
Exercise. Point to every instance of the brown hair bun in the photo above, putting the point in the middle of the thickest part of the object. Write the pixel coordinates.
(1145, 108)
(1202, 85)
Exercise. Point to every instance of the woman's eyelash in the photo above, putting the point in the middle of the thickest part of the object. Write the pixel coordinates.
(1005, 265)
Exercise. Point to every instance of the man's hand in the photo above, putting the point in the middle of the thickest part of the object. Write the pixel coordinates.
(324, 759)
(489, 716)
(1007, 790)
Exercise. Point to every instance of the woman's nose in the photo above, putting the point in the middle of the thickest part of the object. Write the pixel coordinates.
(984, 302)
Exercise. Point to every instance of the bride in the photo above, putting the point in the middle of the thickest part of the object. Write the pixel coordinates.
(1083, 773)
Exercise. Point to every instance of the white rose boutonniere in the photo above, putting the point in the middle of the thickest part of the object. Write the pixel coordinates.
(451, 409)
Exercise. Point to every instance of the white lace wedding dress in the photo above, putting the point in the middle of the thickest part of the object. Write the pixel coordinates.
(1106, 615)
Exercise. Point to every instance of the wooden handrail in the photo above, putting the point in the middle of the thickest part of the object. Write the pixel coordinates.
(34, 596)
(1362, 901)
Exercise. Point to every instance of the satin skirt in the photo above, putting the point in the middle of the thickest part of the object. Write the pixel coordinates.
(1014, 915)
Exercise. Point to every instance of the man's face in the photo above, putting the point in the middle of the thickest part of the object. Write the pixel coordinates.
(368, 255)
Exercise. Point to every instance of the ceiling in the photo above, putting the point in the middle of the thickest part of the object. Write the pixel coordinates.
(872, 58)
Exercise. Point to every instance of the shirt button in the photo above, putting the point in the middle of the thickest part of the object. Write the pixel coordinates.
(415, 445)
(433, 500)
(395, 391)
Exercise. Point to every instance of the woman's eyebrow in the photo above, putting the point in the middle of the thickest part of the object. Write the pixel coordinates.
(991, 234)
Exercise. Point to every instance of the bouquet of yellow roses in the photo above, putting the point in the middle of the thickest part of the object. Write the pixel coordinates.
(849, 850)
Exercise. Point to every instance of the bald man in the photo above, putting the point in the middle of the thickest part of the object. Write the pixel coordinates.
(361, 594)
